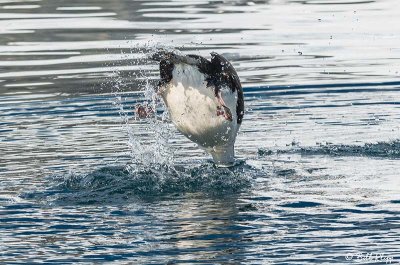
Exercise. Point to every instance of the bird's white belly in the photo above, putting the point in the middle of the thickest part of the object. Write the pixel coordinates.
(193, 109)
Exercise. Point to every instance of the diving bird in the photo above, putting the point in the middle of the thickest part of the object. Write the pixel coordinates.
(204, 99)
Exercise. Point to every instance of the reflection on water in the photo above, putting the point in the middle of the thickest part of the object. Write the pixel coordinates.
(83, 181)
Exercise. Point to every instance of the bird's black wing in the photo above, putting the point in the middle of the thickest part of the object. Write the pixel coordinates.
(223, 74)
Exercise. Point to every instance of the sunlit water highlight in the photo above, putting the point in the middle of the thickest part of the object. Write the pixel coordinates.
(82, 180)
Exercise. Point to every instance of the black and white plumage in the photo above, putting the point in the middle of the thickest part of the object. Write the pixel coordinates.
(204, 99)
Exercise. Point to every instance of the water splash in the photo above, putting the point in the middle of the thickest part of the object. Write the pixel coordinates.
(117, 184)
(148, 143)
(381, 149)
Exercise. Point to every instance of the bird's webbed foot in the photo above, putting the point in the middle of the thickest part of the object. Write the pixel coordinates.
(222, 109)
(225, 112)
(143, 111)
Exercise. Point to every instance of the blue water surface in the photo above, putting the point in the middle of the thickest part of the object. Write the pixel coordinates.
(83, 181)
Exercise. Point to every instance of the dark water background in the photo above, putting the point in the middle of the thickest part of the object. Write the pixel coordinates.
(82, 181)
